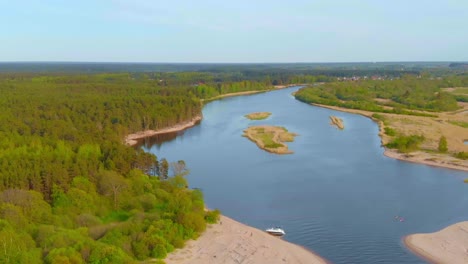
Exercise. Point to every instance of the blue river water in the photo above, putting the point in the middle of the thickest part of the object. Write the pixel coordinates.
(336, 195)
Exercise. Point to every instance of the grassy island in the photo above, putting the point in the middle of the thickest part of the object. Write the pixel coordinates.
(270, 138)
(336, 121)
(258, 115)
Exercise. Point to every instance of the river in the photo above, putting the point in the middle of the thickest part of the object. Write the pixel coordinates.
(337, 194)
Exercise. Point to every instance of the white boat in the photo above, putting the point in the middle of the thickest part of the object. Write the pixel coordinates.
(276, 231)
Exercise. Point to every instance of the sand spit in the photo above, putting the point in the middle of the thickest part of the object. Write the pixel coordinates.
(336, 121)
(232, 242)
(131, 139)
(449, 245)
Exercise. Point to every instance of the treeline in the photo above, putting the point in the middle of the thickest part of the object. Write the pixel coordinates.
(388, 96)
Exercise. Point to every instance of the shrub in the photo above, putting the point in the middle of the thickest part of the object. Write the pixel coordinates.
(462, 155)
(212, 217)
(390, 131)
(443, 144)
(406, 143)
(378, 116)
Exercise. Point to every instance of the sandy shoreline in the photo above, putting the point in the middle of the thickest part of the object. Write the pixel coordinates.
(427, 159)
(132, 139)
(232, 242)
(275, 87)
(449, 245)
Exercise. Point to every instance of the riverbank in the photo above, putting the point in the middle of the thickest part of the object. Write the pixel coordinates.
(420, 157)
(449, 245)
(232, 242)
(235, 94)
(132, 139)
(275, 87)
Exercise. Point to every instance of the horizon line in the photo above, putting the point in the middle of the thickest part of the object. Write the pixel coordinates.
(310, 62)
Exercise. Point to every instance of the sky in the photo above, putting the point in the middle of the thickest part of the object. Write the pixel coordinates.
(239, 31)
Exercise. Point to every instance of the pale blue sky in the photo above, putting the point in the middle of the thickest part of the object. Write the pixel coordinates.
(234, 31)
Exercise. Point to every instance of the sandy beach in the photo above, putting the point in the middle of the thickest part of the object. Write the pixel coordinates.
(449, 245)
(232, 242)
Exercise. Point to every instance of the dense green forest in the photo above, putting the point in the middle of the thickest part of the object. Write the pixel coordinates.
(400, 96)
(71, 191)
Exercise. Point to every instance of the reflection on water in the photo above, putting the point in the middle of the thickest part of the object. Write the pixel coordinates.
(337, 194)
(157, 140)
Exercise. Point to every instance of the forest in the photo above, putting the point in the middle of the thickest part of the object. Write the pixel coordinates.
(71, 191)
(400, 96)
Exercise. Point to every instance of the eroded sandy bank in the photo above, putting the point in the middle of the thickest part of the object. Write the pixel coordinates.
(132, 139)
(232, 242)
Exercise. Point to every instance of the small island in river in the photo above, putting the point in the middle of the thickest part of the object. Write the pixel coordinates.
(270, 138)
(336, 121)
(258, 115)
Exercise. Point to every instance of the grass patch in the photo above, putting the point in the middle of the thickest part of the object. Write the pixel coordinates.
(268, 142)
(260, 130)
(273, 145)
(459, 123)
(379, 117)
(390, 131)
(466, 180)
(258, 115)
(461, 90)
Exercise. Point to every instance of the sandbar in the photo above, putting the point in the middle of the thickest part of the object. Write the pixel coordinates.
(336, 121)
